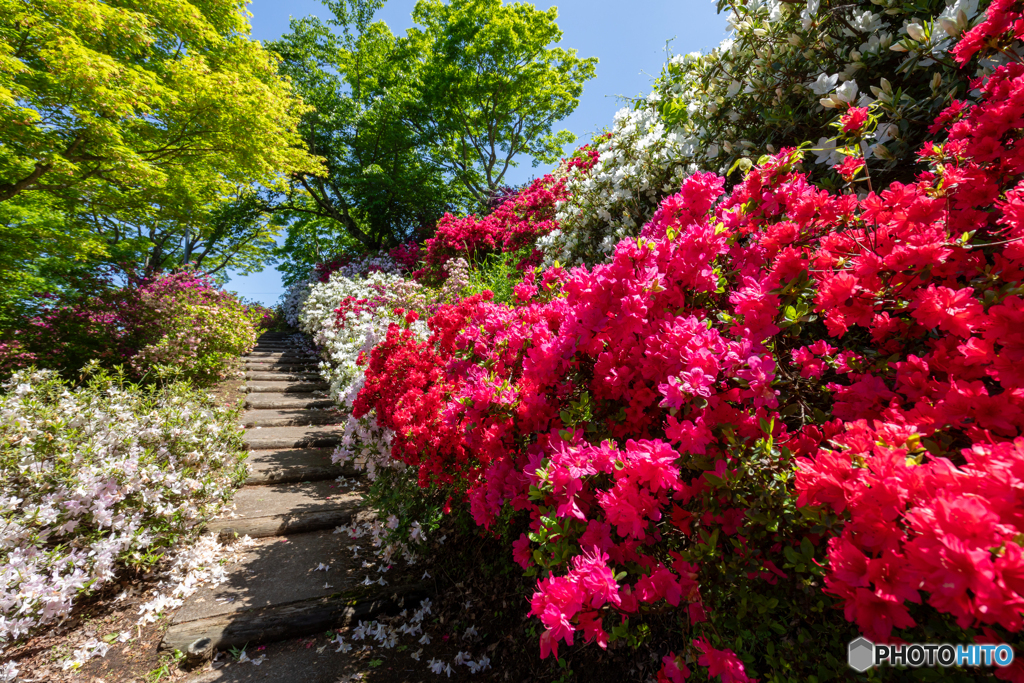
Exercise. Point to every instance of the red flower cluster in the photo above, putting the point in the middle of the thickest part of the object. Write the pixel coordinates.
(638, 416)
(514, 225)
(853, 120)
(1003, 23)
(850, 167)
(407, 256)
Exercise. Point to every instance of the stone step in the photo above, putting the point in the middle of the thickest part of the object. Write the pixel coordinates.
(293, 359)
(279, 509)
(275, 591)
(312, 436)
(273, 376)
(283, 369)
(286, 417)
(278, 401)
(285, 387)
(293, 465)
(288, 366)
(278, 353)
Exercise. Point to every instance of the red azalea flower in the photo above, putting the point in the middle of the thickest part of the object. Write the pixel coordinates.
(850, 167)
(854, 119)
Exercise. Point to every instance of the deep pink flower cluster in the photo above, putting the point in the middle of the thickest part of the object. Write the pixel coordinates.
(878, 340)
(586, 156)
(105, 322)
(407, 256)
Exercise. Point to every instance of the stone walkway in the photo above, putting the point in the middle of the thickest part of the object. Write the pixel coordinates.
(291, 504)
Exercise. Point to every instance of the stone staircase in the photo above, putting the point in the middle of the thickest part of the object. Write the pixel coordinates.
(291, 503)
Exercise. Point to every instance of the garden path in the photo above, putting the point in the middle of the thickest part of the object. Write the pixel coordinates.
(300, 577)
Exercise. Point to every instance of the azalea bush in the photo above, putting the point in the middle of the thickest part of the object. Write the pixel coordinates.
(98, 477)
(175, 324)
(266, 318)
(191, 329)
(779, 416)
(784, 74)
(345, 315)
(513, 226)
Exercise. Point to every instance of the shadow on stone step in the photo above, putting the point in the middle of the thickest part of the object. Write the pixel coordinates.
(280, 589)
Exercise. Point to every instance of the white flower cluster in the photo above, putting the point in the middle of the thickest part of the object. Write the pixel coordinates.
(784, 73)
(98, 476)
(293, 299)
(369, 264)
(342, 337)
(194, 565)
(639, 163)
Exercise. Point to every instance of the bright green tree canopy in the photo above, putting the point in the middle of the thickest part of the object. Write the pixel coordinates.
(380, 186)
(127, 93)
(492, 88)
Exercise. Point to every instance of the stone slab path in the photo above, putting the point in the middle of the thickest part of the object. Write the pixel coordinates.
(300, 577)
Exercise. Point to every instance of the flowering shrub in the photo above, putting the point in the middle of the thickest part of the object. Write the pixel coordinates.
(174, 324)
(347, 316)
(99, 476)
(266, 318)
(294, 297)
(781, 77)
(514, 226)
(406, 256)
(638, 163)
(193, 330)
(768, 390)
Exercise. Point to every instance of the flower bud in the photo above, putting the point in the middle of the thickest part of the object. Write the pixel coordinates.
(917, 32)
(949, 26)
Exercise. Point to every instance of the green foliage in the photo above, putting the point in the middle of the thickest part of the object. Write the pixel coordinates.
(397, 119)
(195, 335)
(396, 492)
(96, 96)
(129, 138)
(379, 186)
(309, 240)
(497, 272)
(38, 251)
(203, 227)
(491, 87)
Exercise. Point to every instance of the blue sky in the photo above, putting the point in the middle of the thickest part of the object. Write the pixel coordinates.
(628, 38)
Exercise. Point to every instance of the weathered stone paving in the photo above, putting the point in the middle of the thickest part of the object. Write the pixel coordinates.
(300, 577)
